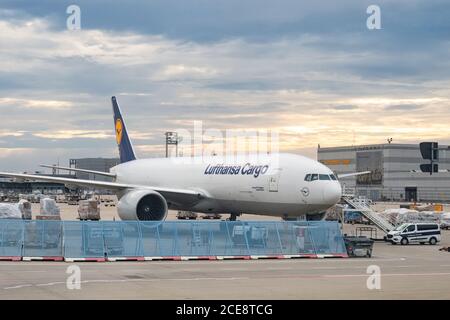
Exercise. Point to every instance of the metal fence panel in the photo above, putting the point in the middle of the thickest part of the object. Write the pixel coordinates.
(168, 238)
(122, 239)
(97, 239)
(194, 239)
(296, 238)
(327, 237)
(150, 238)
(42, 238)
(11, 238)
(83, 239)
(263, 238)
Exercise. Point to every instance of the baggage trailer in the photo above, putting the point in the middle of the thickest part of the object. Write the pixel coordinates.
(358, 246)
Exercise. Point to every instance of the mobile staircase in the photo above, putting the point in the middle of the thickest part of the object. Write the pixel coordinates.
(364, 207)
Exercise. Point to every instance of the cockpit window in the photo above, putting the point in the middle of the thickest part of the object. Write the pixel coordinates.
(315, 176)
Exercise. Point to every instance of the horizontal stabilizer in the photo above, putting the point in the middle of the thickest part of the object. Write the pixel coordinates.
(100, 173)
(345, 175)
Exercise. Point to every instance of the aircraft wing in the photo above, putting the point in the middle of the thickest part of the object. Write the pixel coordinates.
(345, 175)
(166, 192)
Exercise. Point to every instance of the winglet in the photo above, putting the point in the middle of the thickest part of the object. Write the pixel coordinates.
(126, 150)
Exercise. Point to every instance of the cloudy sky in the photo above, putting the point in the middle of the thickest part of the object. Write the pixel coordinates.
(310, 70)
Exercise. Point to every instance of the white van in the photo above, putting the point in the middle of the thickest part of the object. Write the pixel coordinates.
(415, 233)
(445, 221)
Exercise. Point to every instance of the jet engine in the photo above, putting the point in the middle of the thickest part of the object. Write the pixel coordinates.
(143, 205)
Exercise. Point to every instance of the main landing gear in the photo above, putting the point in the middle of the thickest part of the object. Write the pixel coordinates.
(233, 216)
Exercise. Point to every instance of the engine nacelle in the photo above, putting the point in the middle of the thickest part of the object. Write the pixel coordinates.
(143, 205)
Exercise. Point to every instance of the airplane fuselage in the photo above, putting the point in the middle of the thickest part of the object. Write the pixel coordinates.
(266, 185)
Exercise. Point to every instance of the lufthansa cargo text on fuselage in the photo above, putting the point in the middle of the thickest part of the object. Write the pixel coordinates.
(247, 169)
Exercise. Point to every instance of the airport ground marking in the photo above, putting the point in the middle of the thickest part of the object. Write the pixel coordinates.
(389, 275)
(125, 281)
(310, 276)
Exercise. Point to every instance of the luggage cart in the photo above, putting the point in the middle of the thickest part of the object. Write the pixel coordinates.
(358, 246)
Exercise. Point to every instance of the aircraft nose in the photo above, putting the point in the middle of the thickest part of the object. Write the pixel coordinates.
(332, 193)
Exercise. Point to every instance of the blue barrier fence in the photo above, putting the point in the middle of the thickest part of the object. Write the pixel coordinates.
(99, 239)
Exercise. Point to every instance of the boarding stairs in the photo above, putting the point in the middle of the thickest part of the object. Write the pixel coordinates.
(367, 212)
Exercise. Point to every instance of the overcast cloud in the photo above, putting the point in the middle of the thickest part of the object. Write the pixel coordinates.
(310, 70)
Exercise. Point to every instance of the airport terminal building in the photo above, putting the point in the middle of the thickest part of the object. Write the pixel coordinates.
(392, 176)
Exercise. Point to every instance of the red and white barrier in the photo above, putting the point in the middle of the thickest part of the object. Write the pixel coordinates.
(257, 257)
(172, 258)
(233, 257)
(175, 258)
(332, 256)
(14, 258)
(114, 259)
(187, 258)
(42, 258)
(84, 259)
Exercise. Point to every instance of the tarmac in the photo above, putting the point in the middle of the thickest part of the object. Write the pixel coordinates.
(407, 272)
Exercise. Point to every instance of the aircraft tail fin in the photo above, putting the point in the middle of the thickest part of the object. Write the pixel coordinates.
(126, 150)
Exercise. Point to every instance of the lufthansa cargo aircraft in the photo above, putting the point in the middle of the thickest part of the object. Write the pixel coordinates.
(284, 185)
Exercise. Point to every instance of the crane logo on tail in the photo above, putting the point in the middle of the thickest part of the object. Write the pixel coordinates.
(119, 130)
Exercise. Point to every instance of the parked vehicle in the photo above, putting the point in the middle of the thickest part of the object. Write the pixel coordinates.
(72, 200)
(415, 233)
(186, 215)
(214, 216)
(353, 217)
(445, 221)
(358, 246)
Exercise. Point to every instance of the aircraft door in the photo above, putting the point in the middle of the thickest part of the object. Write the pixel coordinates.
(274, 179)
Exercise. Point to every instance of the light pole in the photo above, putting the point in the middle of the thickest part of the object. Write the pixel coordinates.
(171, 139)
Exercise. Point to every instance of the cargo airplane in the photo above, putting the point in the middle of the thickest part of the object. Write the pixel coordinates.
(285, 185)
